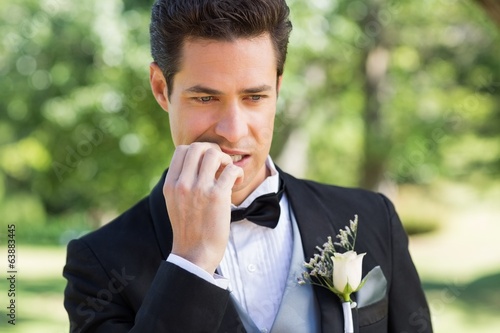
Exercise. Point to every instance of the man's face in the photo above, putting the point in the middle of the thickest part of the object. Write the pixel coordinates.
(225, 93)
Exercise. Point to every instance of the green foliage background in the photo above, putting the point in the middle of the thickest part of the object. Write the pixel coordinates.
(83, 139)
(398, 96)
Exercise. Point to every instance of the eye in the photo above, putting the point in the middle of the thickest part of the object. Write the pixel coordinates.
(255, 98)
(205, 99)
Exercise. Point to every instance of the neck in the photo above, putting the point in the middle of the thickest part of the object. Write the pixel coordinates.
(239, 195)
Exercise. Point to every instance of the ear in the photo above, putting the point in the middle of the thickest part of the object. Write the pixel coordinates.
(158, 85)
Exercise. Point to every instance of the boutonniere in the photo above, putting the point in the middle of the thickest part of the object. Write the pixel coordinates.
(336, 271)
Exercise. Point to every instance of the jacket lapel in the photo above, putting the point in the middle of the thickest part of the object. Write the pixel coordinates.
(316, 223)
(299, 310)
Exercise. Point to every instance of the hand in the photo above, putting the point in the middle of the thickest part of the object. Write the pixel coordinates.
(197, 192)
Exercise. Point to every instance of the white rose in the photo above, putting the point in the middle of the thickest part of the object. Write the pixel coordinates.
(347, 271)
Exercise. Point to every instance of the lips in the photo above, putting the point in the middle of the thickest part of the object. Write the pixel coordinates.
(236, 155)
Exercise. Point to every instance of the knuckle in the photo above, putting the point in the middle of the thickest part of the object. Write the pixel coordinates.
(181, 188)
(181, 148)
(206, 145)
(197, 145)
(212, 152)
(168, 186)
(213, 194)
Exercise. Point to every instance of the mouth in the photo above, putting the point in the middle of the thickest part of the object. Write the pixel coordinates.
(236, 158)
(239, 157)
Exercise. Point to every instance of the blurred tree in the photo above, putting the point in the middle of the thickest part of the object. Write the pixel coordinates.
(374, 91)
(78, 107)
(374, 67)
(492, 8)
(390, 91)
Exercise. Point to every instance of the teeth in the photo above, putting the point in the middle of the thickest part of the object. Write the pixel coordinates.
(236, 158)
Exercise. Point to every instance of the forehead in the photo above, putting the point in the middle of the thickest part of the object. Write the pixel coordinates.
(218, 60)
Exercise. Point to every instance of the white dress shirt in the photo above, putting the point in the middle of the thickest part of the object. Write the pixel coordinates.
(256, 263)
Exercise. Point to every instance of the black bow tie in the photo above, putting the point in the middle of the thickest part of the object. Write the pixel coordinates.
(263, 211)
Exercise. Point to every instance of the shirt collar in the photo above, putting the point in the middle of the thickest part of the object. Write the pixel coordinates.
(269, 185)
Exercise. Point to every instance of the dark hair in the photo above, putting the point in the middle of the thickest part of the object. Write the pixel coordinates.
(174, 21)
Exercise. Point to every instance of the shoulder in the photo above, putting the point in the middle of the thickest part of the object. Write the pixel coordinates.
(338, 195)
(130, 224)
(120, 258)
(338, 205)
(128, 238)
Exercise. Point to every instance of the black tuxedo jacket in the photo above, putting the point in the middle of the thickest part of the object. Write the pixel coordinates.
(119, 281)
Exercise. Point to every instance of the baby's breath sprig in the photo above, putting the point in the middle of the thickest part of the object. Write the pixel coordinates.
(347, 236)
(320, 266)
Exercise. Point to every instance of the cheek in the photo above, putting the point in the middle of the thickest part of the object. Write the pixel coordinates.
(265, 128)
(265, 135)
(174, 128)
(194, 127)
(181, 128)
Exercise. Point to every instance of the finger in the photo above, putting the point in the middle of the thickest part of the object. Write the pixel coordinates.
(229, 176)
(194, 157)
(214, 161)
(191, 163)
(177, 162)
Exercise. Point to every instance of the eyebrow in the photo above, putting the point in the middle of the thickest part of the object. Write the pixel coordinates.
(199, 89)
(256, 90)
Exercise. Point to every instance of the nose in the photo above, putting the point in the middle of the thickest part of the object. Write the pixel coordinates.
(232, 124)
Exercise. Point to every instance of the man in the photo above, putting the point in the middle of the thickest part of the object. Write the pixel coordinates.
(174, 262)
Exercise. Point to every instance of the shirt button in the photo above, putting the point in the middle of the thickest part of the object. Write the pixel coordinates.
(251, 268)
(264, 330)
